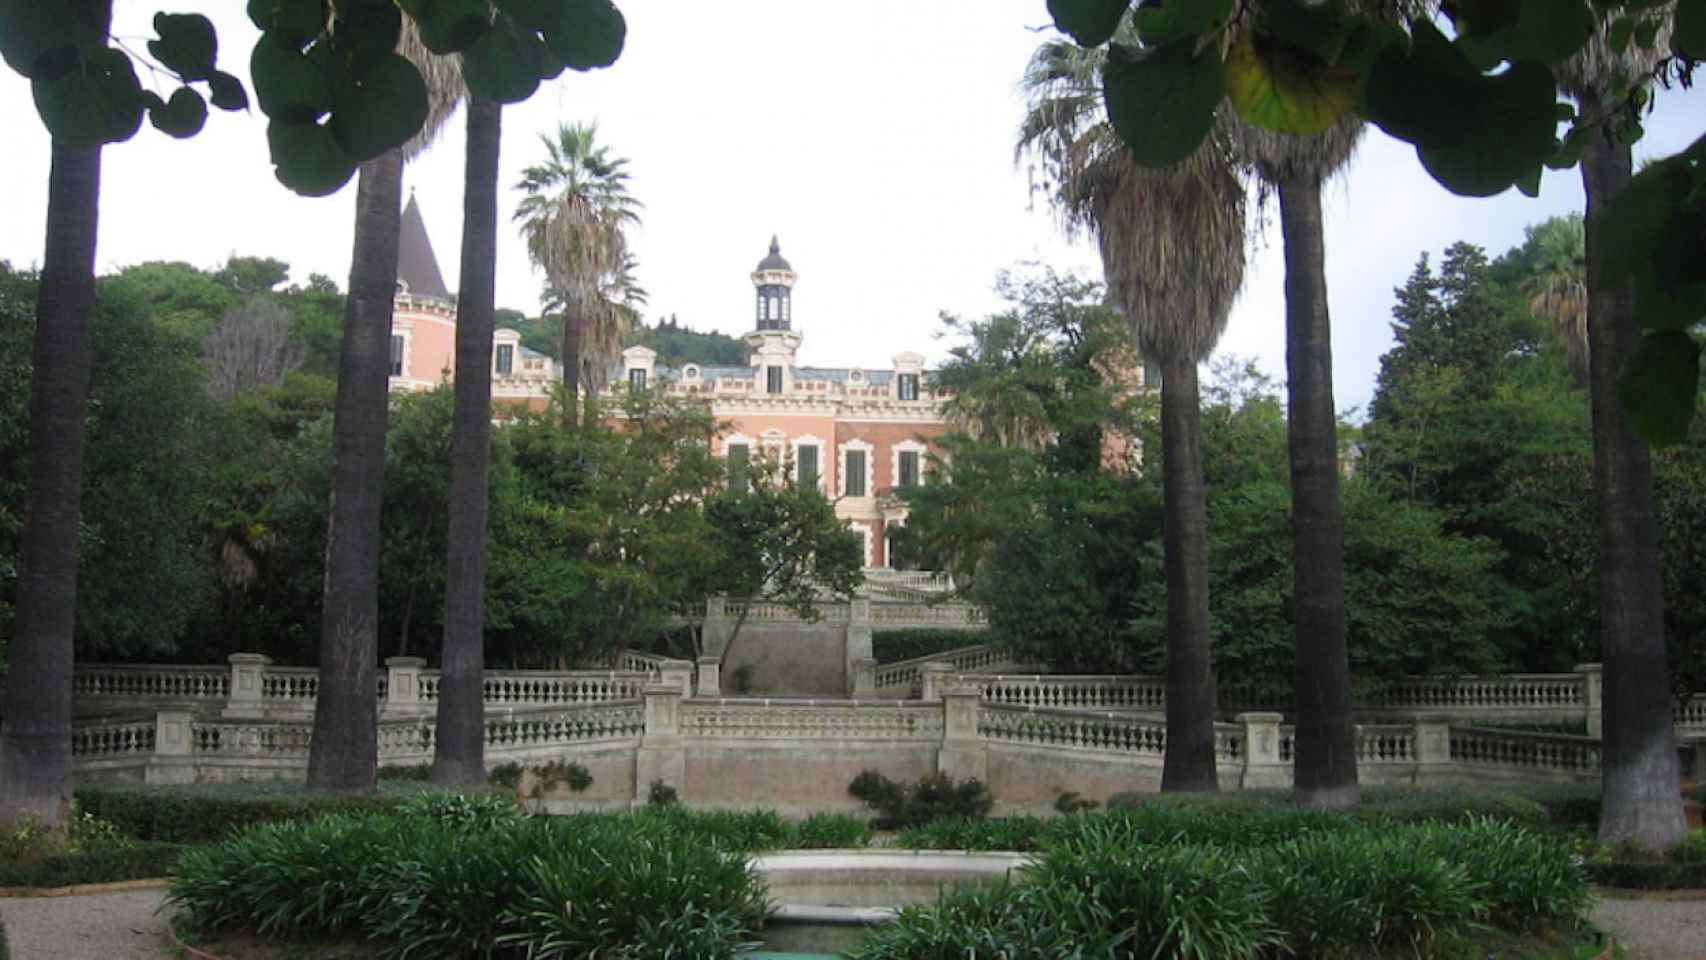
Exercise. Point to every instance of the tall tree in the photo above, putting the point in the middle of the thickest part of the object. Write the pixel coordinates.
(1172, 246)
(343, 752)
(574, 217)
(1641, 799)
(459, 751)
(1296, 167)
(35, 742)
(1558, 289)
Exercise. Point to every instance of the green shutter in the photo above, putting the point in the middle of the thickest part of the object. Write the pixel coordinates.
(806, 467)
(909, 468)
(738, 472)
(855, 485)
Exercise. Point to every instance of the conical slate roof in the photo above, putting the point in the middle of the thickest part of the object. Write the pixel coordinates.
(417, 268)
(774, 261)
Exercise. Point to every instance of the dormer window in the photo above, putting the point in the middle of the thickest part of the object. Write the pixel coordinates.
(636, 381)
(506, 359)
(773, 379)
(908, 386)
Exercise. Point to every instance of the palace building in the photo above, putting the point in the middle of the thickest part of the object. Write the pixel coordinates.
(858, 434)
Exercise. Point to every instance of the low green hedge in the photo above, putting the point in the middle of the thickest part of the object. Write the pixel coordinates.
(207, 812)
(891, 646)
(1558, 805)
(1661, 875)
(95, 866)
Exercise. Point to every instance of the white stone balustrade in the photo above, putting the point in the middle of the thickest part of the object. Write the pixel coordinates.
(1073, 692)
(1072, 729)
(810, 720)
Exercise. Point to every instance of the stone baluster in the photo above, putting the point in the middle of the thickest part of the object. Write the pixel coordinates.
(963, 754)
(1262, 764)
(1593, 696)
(864, 677)
(244, 700)
(662, 755)
(403, 687)
(173, 760)
(936, 677)
(710, 677)
(1432, 746)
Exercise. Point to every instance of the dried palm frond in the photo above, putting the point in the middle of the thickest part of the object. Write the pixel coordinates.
(445, 89)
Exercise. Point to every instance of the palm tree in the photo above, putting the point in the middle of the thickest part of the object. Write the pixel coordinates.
(35, 742)
(459, 745)
(343, 752)
(1558, 289)
(575, 217)
(1641, 802)
(1172, 246)
(1294, 168)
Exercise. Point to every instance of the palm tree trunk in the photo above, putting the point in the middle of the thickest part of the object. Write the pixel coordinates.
(1639, 777)
(35, 742)
(1189, 760)
(1326, 760)
(459, 751)
(343, 754)
(572, 364)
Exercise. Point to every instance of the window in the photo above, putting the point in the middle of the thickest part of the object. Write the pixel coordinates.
(636, 380)
(805, 467)
(909, 386)
(773, 378)
(908, 468)
(396, 355)
(738, 454)
(855, 473)
(506, 358)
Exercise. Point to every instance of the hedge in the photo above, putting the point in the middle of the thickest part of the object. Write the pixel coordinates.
(96, 866)
(208, 812)
(890, 646)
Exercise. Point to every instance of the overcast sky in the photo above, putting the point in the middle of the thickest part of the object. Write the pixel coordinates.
(874, 138)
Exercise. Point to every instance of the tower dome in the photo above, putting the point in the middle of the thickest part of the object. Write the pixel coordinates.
(774, 280)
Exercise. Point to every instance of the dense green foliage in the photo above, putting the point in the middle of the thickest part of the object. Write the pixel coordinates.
(932, 797)
(135, 861)
(678, 344)
(890, 646)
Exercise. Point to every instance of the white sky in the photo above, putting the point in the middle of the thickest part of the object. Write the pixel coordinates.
(875, 138)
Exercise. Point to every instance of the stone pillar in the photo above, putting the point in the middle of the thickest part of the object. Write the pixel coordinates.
(403, 687)
(715, 632)
(662, 755)
(244, 700)
(1593, 696)
(864, 678)
(963, 754)
(1262, 764)
(677, 674)
(859, 630)
(936, 677)
(1431, 743)
(172, 760)
(710, 677)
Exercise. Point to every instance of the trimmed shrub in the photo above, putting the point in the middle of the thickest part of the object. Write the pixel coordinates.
(1021, 834)
(892, 646)
(1647, 875)
(135, 861)
(208, 812)
(1007, 921)
(934, 795)
(662, 794)
(832, 831)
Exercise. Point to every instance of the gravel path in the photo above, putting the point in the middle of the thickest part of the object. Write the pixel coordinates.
(1654, 926)
(124, 926)
(90, 926)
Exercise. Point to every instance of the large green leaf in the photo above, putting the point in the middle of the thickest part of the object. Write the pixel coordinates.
(1658, 384)
(187, 44)
(294, 22)
(99, 102)
(226, 91)
(1690, 28)
(181, 116)
(40, 41)
(1491, 31)
(585, 34)
(380, 109)
(292, 87)
(366, 34)
(449, 26)
(1510, 126)
(505, 64)
(1418, 95)
(1284, 89)
(1161, 100)
(306, 158)
(1649, 237)
(1090, 22)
